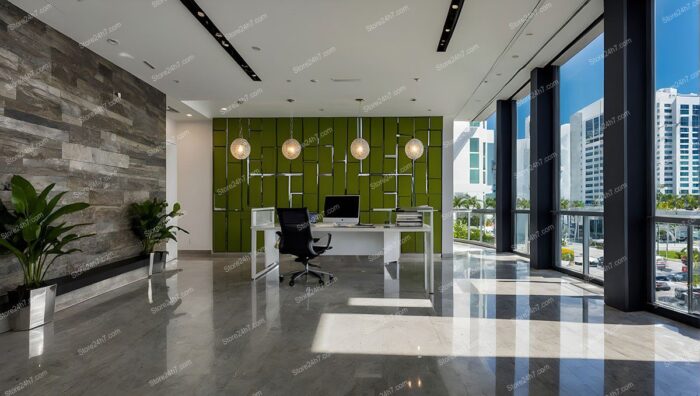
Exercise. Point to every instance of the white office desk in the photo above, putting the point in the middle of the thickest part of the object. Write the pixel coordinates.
(378, 241)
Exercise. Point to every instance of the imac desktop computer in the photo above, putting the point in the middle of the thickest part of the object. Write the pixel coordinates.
(342, 209)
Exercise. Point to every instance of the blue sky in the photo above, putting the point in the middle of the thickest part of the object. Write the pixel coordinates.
(677, 58)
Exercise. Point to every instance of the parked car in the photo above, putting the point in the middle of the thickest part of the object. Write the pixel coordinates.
(661, 263)
(679, 276)
(681, 293)
(662, 283)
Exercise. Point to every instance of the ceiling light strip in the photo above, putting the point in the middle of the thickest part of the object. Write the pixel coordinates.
(450, 24)
(222, 41)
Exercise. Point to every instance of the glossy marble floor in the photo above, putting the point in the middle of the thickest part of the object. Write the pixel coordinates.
(493, 327)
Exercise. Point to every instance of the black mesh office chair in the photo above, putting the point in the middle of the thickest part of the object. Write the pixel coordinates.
(296, 239)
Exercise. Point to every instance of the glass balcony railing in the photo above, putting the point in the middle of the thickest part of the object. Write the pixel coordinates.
(582, 238)
(475, 226)
(677, 272)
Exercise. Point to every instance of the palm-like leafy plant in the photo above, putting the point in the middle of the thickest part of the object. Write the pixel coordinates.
(149, 221)
(33, 232)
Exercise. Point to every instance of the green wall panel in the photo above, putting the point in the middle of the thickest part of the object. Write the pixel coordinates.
(234, 232)
(219, 231)
(340, 138)
(269, 159)
(268, 191)
(364, 193)
(282, 191)
(325, 131)
(219, 124)
(377, 139)
(310, 178)
(353, 182)
(245, 231)
(220, 138)
(436, 123)
(422, 123)
(219, 178)
(255, 192)
(383, 180)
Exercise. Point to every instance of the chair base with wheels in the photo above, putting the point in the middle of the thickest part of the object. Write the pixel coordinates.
(306, 272)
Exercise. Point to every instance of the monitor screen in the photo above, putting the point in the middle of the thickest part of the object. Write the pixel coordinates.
(342, 206)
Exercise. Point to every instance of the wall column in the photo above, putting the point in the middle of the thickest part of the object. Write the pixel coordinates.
(543, 124)
(506, 125)
(628, 152)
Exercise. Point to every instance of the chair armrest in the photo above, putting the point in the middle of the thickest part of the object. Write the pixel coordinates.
(327, 247)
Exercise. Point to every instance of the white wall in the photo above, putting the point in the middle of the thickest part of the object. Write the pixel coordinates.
(447, 186)
(171, 177)
(194, 183)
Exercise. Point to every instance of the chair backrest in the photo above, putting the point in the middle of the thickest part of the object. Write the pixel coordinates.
(296, 231)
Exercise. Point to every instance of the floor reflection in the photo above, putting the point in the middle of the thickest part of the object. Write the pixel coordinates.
(493, 327)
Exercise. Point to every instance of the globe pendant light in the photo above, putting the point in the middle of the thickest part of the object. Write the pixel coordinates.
(359, 148)
(240, 148)
(291, 147)
(414, 147)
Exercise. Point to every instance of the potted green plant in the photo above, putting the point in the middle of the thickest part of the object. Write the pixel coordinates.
(34, 233)
(149, 222)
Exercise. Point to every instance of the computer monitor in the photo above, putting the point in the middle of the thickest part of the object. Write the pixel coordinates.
(342, 209)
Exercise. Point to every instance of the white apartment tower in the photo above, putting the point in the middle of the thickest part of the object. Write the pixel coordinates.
(677, 142)
(586, 154)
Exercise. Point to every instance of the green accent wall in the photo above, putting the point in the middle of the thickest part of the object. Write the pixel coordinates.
(385, 179)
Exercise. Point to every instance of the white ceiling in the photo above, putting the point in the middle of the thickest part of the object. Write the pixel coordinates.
(291, 32)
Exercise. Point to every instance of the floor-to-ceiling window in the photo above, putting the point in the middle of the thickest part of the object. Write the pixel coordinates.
(677, 155)
(474, 203)
(581, 191)
(522, 177)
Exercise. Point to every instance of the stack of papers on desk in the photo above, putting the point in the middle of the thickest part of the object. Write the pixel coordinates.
(408, 218)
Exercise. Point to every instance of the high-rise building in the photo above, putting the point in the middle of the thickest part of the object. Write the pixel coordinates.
(474, 155)
(677, 142)
(586, 154)
(522, 164)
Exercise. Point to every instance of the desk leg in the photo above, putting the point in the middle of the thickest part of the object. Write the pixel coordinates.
(426, 261)
(253, 253)
(392, 246)
(431, 255)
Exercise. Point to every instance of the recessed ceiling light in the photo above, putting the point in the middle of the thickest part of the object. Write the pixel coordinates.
(499, 74)
(224, 43)
(528, 34)
(290, 100)
(126, 55)
(189, 115)
(218, 35)
(516, 56)
(176, 81)
(112, 41)
(486, 82)
(447, 30)
(455, 6)
(313, 80)
(200, 14)
(223, 109)
(429, 110)
(413, 99)
(256, 48)
(416, 79)
(289, 81)
(320, 109)
(253, 75)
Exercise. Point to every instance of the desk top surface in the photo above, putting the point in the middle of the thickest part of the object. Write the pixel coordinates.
(327, 227)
